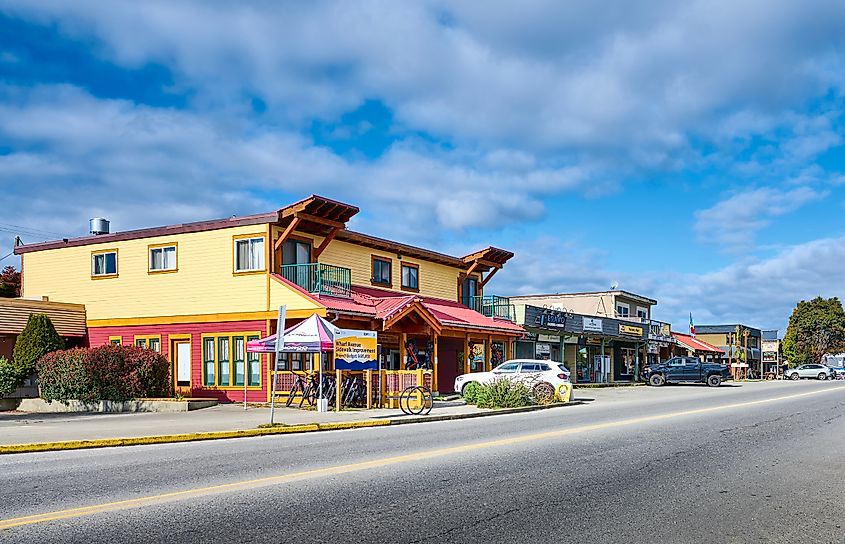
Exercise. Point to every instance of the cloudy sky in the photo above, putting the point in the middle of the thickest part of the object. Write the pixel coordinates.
(688, 151)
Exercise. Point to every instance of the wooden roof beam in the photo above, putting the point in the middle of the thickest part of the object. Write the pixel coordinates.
(288, 231)
(489, 275)
(319, 220)
(325, 243)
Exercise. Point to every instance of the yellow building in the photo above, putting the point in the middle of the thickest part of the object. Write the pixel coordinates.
(198, 292)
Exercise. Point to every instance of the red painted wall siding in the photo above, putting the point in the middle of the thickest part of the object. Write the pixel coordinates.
(100, 335)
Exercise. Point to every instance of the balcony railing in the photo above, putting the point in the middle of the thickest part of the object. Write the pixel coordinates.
(320, 279)
(492, 306)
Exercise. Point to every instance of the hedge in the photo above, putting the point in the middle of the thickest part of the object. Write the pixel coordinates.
(115, 373)
(9, 378)
(38, 338)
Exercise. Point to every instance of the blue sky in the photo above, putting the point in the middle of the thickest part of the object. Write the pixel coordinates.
(689, 152)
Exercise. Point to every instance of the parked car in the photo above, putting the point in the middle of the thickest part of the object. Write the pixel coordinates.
(813, 371)
(532, 372)
(686, 369)
(838, 372)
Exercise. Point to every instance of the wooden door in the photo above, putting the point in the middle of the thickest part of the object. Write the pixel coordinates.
(181, 350)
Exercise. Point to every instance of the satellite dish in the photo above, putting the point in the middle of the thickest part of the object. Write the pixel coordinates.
(614, 286)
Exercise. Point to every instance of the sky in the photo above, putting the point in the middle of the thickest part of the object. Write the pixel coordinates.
(691, 152)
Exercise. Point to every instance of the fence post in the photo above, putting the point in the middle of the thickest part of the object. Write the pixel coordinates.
(369, 377)
(338, 380)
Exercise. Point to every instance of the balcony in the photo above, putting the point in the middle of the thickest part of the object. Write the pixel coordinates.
(320, 279)
(492, 306)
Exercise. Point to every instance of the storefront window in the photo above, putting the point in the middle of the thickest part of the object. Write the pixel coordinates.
(497, 354)
(627, 361)
(476, 357)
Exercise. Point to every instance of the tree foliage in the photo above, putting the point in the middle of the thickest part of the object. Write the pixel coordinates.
(816, 328)
(10, 282)
(38, 338)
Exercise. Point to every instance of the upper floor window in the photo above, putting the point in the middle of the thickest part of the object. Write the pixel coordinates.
(469, 290)
(104, 263)
(410, 277)
(163, 258)
(622, 310)
(642, 313)
(249, 254)
(296, 252)
(381, 271)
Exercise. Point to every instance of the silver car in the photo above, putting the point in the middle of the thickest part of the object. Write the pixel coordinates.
(819, 372)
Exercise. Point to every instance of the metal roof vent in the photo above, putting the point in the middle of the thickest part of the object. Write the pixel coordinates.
(98, 225)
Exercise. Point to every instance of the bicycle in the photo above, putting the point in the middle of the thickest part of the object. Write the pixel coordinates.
(299, 386)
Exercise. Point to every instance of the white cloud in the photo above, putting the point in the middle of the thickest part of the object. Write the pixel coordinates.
(732, 223)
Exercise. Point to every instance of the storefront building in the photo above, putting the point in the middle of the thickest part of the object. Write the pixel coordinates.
(737, 341)
(199, 292)
(692, 346)
(595, 350)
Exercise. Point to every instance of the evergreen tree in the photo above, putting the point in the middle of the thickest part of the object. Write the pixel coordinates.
(816, 328)
(38, 338)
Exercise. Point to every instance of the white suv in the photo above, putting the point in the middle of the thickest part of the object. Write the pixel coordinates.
(529, 371)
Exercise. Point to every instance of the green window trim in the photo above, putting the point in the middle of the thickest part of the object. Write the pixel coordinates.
(224, 363)
(208, 361)
(254, 365)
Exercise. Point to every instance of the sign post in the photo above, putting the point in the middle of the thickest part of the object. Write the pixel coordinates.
(280, 345)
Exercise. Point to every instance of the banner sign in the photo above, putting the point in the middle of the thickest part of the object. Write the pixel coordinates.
(549, 338)
(630, 330)
(355, 350)
(592, 324)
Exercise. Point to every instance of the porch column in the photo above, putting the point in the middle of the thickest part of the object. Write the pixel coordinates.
(466, 354)
(488, 355)
(509, 348)
(434, 363)
(404, 348)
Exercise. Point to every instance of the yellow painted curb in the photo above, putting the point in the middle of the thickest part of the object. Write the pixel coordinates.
(187, 437)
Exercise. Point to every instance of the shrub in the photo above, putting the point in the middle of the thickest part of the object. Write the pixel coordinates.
(9, 379)
(38, 338)
(115, 373)
(471, 392)
(503, 393)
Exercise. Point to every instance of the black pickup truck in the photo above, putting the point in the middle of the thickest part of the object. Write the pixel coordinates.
(686, 369)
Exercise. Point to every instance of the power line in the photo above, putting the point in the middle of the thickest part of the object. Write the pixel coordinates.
(7, 227)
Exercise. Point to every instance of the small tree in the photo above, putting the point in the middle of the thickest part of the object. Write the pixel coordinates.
(38, 338)
(10, 282)
(815, 329)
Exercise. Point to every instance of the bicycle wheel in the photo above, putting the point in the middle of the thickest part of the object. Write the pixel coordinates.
(293, 391)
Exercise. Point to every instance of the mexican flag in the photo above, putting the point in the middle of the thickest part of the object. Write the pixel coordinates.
(691, 326)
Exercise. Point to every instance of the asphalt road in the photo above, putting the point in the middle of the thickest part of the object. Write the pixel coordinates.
(758, 463)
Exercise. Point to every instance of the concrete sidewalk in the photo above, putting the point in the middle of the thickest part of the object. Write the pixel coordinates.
(27, 428)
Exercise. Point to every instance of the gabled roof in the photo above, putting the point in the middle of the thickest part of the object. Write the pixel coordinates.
(382, 304)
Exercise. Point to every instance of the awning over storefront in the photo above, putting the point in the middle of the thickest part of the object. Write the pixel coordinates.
(68, 319)
(695, 344)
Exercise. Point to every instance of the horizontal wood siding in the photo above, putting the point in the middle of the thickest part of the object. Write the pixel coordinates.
(99, 336)
(69, 320)
(203, 284)
(435, 280)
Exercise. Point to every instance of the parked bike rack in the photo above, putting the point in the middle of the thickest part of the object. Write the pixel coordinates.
(416, 400)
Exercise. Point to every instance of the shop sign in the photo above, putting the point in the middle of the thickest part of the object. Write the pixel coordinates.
(770, 356)
(770, 345)
(630, 330)
(530, 337)
(592, 324)
(551, 338)
(593, 341)
(543, 350)
(388, 338)
(355, 350)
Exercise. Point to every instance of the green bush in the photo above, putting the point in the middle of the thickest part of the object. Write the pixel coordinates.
(9, 379)
(38, 338)
(115, 373)
(471, 392)
(503, 393)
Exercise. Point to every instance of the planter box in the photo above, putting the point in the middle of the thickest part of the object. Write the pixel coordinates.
(140, 405)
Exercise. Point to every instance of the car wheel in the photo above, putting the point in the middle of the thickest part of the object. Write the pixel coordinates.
(714, 380)
(822, 376)
(657, 380)
(794, 376)
(544, 393)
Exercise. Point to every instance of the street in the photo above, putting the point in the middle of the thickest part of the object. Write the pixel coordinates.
(754, 462)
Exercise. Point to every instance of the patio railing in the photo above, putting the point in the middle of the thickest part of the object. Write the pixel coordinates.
(493, 306)
(320, 279)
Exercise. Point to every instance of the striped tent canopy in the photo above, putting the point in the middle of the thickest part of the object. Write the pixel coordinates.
(314, 335)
